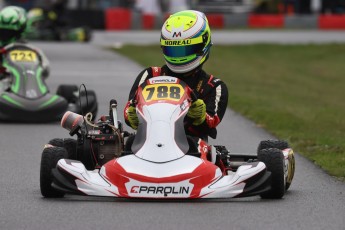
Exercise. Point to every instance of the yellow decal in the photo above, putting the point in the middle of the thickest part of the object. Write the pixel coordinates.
(185, 42)
(156, 92)
(198, 87)
(23, 56)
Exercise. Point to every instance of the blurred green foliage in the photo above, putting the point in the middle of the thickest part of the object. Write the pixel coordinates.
(296, 92)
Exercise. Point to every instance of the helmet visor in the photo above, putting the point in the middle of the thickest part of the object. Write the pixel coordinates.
(182, 51)
(182, 48)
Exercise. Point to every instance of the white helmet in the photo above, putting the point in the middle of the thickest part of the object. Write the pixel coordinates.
(186, 40)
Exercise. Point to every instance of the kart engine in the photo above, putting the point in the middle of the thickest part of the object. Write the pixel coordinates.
(102, 143)
(97, 142)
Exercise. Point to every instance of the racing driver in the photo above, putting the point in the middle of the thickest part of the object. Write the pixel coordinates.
(12, 26)
(184, 59)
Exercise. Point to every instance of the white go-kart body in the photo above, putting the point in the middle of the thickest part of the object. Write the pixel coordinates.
(160, 166)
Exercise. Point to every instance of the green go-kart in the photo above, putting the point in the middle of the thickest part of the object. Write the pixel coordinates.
(44, 25)
(25, 96)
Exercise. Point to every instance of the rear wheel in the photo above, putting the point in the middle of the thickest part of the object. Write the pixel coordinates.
(50, 157)
(289, 163)
(278, 144)
(274, 161)
(89, 103)
(68, 92)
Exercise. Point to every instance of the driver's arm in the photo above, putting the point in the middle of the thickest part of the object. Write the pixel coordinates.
(216, 103)
(142, 77)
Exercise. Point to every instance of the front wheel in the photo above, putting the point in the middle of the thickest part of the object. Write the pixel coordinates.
(274, 161)
(50, 157)
(69, 144)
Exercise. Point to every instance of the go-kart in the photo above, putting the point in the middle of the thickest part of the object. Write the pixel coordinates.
(162, 162)
(24, 95)
(43, 25)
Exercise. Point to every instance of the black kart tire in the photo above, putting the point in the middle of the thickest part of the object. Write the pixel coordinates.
(278, 144)
(50, 157)
(274, 161)
(67, 92)
(67, 143)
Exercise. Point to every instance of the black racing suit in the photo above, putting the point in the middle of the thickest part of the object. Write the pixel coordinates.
(210, 89)
(3, 72)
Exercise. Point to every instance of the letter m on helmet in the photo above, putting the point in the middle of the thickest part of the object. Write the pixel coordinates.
(177, 34)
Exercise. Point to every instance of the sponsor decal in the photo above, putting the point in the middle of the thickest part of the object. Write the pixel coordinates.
(198, 87)
(155, 71)
(94, 132)
(178, 43)
(184, 105)
(165, 190)
(31, 93)
(203, 147)
(135, 189)
(165, 80)
(175, 34)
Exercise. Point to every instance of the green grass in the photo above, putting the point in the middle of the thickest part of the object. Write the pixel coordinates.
(296, 92)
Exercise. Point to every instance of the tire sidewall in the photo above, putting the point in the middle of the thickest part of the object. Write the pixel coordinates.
(67, 92)
(69, 144)
(273, 158)
(49, 159)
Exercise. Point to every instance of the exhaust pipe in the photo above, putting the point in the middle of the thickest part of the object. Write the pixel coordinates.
(72, 122)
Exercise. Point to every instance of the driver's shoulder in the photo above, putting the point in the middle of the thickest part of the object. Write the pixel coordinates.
(149, 72)
(210, 79)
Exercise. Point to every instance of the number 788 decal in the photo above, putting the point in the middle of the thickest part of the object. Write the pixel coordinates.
(172, 92)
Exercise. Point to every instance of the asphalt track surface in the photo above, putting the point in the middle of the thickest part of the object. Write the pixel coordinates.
(314, 201)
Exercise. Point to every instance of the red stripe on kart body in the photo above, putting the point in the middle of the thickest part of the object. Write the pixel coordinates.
(202, 176)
